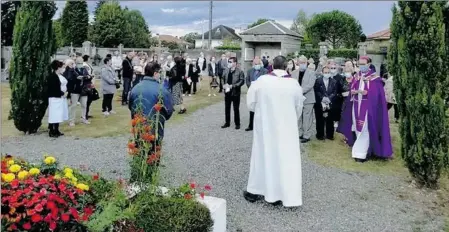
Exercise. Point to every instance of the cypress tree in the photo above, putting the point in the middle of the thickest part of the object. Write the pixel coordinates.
(419, 37)
(75, 22)
(33, 45)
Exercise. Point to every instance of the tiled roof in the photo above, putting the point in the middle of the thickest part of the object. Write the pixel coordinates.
(380, 35)
(170, 38)
(270, 28)
(220, 32)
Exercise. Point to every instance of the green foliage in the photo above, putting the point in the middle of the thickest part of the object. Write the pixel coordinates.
(171, 45)
(9, 11)
(135, 28)
(337, 27)
(190, 37)
(108, 26)
(111, 210)
(156, 214)
(97, 8)
(58, 33)
(300, 23)
(228, 48)
(34, 43)
(75, 22)
(419, 41)
(258, 22)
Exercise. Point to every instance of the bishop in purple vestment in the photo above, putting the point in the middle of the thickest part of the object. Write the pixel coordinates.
(364, 120)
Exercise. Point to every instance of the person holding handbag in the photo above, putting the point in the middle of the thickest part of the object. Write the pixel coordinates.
(79, 87)
(94, 95)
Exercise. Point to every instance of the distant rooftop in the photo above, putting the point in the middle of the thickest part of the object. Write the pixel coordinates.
(170, 38)
(220, 32)
(380, 35)
(270, 28)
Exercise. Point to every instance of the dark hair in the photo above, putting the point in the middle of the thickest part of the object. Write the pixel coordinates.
(293, 62)
(210, 59)
(151, 68)
(55, 64)
(234, 59)
(78, 53)
(86, 58)
(177, 60)
(109, 56)
(280, 62)
(106, 60)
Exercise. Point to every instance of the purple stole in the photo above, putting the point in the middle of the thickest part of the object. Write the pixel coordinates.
(361, 115)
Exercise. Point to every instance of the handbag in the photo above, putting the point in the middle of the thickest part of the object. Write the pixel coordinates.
(117, 85)
(94, 96)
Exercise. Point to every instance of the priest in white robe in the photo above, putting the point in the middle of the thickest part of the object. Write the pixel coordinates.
(275, 172)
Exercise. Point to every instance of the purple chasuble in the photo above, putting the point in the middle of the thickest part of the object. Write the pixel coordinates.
(374, 106)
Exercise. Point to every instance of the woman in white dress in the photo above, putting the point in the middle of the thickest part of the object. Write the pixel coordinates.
(58, 110)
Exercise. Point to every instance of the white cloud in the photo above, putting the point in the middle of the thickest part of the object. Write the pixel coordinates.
(177, 30)
(167, 10)
(172, 10)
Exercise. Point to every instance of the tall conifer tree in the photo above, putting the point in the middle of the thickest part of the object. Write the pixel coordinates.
(33, 45)
(75, 22)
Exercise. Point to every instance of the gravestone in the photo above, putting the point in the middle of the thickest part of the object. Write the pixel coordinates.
(87, 48)
(323, 48)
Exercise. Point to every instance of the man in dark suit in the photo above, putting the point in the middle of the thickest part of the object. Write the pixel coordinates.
(255, 72)
(325, 95)
(233, 79)
(340, 79)
(222, 65)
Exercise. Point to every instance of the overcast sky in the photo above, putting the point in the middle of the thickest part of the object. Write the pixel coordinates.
(181, 17)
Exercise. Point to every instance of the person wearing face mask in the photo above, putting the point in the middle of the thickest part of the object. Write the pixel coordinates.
(79, 87)
(222, 65)
(325, 98)
(290, 66)
(368, 133)
(194, 74)
(339, 98)
(58, 111)
(234, 78)
(253, 74)
(349, 73)
(212, 68)
(117, 65)
(187, 81)
(145, 95)
(306, 79)
(128, 74)
(108, 86)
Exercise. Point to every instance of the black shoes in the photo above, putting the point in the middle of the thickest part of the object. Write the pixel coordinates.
(303, 140)
(301, 137)
(359, 160)
(249, 129)
(237, 127)
(183, 111)
(252, 197)
(226, 125)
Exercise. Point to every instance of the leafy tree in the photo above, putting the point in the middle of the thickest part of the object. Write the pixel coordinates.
(58, 33)
(75, 22)
(337, 27)
(33, 45)
(97, 8)
(300, 22)
(108, 26)
(136, 30)
(190, 37)
(9, 11)
(171, 45)
(258, 22)
(418, 55)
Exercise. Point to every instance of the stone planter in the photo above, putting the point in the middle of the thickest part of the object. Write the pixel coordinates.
(216, 206)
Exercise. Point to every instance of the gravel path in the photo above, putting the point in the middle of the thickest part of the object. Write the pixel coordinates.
(198, 149)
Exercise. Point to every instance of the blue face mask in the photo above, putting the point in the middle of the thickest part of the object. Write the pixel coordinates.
(302, 67)
(257, 66)
(79, 66)
(326, 75)
(364, 68)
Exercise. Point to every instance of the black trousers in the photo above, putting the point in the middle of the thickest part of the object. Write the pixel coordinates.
(323, 123)
(220, 84)
(251, 119)
(186, 87)
(119, 74)
(89, 102)
(194, 86)
(107, 102)
(126, 89)
(235, 101)
(396, 109)
(53, 127)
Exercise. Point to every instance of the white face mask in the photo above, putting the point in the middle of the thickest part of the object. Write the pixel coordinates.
(348, 74)
(229, 65)
(333, 71)
(326, 75)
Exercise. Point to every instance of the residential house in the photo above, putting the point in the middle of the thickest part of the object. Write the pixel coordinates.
(378, 42)
(219, 34)
(169, 39)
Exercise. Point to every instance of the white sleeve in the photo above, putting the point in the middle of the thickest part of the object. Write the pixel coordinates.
(299, 100)
(251, 96)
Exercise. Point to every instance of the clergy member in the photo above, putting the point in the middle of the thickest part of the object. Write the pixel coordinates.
(275, 170)
(368, 132)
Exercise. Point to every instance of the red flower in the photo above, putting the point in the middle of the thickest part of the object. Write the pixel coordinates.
(51, 205)
(158, 107)
(36, 218)
(27, 226)
(43, 191)
(74, 213)
(192, 185)
(62, 187)
(148, 137)
(96, 176)
(207, 187)
(65, 217)
(38, 208)
(15, 183)
(188, 196)
(202, 195)
(52, 225)
(131, 145)
(13, 227)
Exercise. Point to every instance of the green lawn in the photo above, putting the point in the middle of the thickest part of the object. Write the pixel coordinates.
(100, 126)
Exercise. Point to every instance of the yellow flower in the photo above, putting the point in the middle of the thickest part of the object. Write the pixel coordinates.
(83, 187)
(68, 170)
(22, 175)
(57, 177)
(14, 168)
(69, 175)
(34, 171)
(9, 177)
(49, 160)
(10, 162)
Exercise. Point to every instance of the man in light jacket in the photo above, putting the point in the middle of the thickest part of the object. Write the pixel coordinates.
(306, 78)
(117, 64)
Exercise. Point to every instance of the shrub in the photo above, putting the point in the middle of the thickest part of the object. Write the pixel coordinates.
(156, 214)
(229, 48)
(34, 44)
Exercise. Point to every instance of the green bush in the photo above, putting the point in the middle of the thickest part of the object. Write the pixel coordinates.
(231, 48)
(168, 214)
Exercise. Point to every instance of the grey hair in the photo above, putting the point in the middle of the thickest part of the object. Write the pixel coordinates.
(302, 58)
(79, 60)
(68, 62)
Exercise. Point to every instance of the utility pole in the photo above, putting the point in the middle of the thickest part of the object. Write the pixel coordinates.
(210, 25)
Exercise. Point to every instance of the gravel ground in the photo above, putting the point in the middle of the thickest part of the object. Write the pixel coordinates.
(334, 200)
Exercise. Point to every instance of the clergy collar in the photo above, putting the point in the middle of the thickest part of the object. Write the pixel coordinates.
(279, 72)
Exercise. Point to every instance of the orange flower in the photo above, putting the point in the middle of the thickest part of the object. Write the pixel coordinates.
(134, 122)
(158, 148)
(148, 137)
(133, 151)
(131, 145)
(158, 107)
(147, 128)
(152, 158)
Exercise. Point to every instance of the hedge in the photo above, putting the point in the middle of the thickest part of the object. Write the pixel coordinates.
(232, 48)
